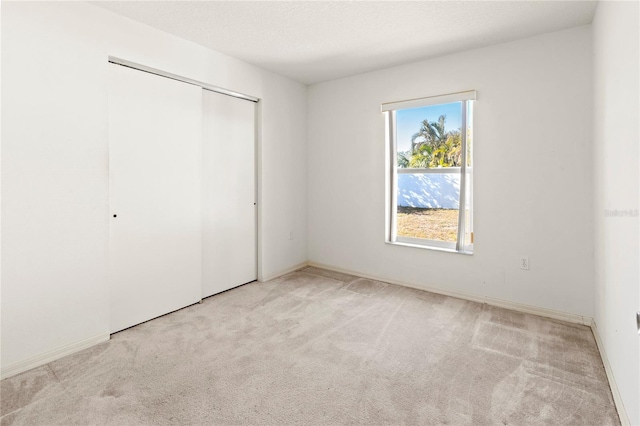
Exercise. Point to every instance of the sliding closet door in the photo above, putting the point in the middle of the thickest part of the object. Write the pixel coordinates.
(229, 193)
(155, 137)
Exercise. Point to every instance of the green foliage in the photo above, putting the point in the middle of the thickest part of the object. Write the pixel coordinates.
(433, 146)
(404, 159)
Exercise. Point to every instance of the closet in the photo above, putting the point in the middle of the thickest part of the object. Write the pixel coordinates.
(182, 194)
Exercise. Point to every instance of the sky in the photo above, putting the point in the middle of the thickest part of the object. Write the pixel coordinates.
(408, 121)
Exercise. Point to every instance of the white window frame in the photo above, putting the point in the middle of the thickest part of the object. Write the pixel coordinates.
(392, 171)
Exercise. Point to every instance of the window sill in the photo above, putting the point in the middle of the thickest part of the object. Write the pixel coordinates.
(426, 247)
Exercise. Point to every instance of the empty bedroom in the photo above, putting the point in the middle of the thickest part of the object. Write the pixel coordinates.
(320, 212)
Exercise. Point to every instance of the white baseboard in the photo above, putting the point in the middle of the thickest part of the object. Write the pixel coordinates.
(278, 274)
(617, 398)
(47, 357)
(514, 306)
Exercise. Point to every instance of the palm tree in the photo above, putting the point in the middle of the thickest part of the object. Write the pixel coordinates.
(433, 146)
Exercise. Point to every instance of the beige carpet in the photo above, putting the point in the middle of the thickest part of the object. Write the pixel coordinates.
(316, 347)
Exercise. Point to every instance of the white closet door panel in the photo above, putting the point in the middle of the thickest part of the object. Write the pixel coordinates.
(155, 149)
(229, 193)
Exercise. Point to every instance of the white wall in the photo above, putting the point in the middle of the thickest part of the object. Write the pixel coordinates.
(617, 174)
(433, 190)
(533, 181)
(54, 164)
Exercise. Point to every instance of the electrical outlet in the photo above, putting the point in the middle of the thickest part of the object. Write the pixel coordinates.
(524, 262)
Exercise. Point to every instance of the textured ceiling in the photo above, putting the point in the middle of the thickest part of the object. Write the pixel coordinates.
(314, 41)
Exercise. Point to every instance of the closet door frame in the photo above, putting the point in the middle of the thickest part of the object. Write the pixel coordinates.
(257, 140)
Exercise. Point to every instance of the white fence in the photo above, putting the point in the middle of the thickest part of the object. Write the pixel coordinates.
(432, 190)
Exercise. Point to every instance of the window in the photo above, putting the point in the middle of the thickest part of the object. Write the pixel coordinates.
(430, 172)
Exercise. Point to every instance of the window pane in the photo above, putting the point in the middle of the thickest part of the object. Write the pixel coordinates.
(427, 152)
(430, 136)
(428, 206)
